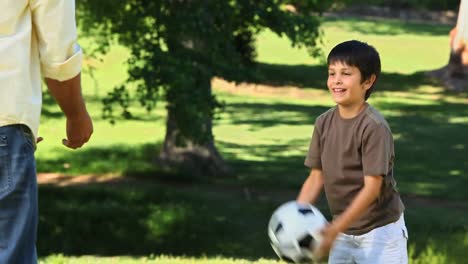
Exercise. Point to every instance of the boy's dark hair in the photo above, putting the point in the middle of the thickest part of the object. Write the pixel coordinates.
(360, 55)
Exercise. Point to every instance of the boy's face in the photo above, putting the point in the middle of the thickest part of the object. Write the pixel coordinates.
(345, 84)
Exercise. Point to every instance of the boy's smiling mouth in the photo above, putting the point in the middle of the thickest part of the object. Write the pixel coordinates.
(339, 90)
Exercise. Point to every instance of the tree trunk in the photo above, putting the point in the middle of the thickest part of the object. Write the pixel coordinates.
(182, 151)
(199, 160)
(454, 76)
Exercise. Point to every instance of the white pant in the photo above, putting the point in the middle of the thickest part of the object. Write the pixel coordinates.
(382, 245)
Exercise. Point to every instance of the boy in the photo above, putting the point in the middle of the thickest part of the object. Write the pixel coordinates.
(351, 156)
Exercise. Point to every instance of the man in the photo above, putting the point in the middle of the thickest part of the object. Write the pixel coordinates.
(36, 36)
(459, 34)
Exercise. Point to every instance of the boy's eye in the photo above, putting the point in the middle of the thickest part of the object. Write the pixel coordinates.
(331, 74)
(346, 73)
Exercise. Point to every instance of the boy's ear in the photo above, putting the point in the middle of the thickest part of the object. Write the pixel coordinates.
(370, 81)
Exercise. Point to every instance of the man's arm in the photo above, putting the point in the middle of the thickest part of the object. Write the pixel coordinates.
(311, 188)
(56, 34)
(69, 98)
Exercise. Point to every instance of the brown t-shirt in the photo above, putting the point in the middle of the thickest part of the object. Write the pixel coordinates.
(346, 150)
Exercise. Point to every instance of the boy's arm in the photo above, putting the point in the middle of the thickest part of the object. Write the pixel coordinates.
(311, 188)
(68, 96)
(367, 195)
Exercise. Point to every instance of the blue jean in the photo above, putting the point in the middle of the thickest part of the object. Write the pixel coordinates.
(18, 196)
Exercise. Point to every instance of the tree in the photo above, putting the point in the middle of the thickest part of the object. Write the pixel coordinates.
(177, 46)
(454, 75)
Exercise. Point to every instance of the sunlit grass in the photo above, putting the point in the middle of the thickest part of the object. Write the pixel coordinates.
(404, 48)
(60, 259)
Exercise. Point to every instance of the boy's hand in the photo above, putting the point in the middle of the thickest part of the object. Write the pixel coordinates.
(329, 234)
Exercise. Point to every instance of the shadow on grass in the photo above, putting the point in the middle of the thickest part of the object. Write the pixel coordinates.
(51, 110)
(124, 160)
(195, 222)
(151, 220)
(388, 27)
(436, 234)
(96, 160)
(263, 115)
(432, 148)
(315, 76)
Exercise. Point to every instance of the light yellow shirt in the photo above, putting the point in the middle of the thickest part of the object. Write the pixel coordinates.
(462, 22)
(36, 37)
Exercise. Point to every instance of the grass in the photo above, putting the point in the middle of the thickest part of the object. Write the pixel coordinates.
(405, 48)
(61, 259)
(167, 218)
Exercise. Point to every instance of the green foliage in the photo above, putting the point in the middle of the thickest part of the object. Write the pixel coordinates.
(178, 46)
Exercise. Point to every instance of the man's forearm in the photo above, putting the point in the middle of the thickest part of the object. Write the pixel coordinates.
(68, 96)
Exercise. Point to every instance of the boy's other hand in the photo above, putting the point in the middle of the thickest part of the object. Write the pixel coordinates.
(329, 234)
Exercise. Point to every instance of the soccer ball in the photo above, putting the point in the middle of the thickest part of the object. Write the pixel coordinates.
(294, 231)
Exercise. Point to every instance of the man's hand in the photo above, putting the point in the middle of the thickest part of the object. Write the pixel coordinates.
(79, 131)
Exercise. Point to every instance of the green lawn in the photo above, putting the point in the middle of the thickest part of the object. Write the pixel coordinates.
(223, 220)
(60, 259)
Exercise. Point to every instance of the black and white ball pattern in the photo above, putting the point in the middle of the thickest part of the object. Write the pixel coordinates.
(294, 231)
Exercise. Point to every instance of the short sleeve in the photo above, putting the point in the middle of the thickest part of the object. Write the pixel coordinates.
(55, 28)
(313, 159)
(377, 150)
